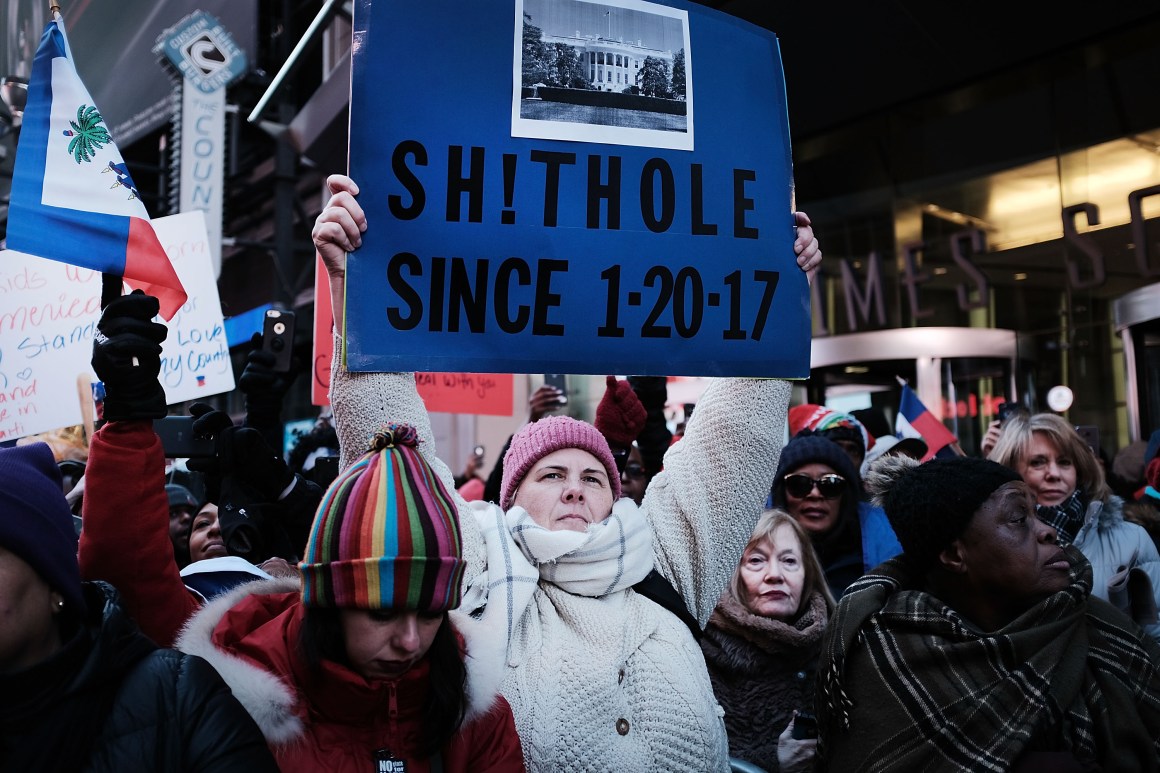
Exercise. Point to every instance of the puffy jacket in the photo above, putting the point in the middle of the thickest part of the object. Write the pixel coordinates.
(336, 720)
(1111, 545)
(111, 700)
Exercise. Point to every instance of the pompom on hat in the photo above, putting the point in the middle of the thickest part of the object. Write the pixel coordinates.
(930, 504)
(620, 416)
(386, 535)
(540, 438)
(35, 521)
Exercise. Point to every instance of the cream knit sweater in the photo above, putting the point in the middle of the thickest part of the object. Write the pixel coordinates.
(617, 683)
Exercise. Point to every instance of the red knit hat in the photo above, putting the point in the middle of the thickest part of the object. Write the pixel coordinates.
(552, 433)
(620, 416)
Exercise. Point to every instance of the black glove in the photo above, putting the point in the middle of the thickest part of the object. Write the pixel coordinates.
(244, 454)
(127, 357)
(249, 513)
(264, 387)
(209, 422)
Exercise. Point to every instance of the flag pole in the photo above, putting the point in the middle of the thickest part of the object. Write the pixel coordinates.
(901, 381)
(53, 9)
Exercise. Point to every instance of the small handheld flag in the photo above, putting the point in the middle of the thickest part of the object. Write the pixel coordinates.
(73, 199)
(915, 420)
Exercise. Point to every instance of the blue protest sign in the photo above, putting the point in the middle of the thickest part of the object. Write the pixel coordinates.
(571, 186)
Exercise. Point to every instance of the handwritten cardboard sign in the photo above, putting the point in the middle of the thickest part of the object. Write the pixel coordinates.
(48, 317)
(489, 394)
(586, 219)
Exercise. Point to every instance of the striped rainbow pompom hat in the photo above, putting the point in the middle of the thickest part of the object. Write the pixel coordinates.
(386, 535)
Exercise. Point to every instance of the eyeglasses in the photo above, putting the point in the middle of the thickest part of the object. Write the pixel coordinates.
(829, 486)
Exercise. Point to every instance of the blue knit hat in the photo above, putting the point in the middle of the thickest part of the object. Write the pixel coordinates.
(35, 521)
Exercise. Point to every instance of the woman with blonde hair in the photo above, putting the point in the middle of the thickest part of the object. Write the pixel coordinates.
(1072, 496)
(762, 644)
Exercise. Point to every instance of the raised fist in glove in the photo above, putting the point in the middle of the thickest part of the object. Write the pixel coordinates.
(127, 358)
(263, 386)
(253, 479)
(209, 423)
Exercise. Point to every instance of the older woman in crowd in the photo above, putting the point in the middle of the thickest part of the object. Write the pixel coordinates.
(818, 484)
(981, 646)
(599, 677)
(1072, 496)
(763, 641)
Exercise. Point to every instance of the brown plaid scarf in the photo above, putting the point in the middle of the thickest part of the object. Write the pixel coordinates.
(906, 683)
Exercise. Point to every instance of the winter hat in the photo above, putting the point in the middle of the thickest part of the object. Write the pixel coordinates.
(1128, 465)
(540, 438)
(1153, 448)
(620, 416)
(35, 521)
(180, 496)
(930, 504)
(1152, 479)
(911, 446)
(386, 535)
(806, 449)
(820, 420)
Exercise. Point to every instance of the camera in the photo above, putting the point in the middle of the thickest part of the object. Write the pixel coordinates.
(558, 380)
(178, 439)
(1009, 409)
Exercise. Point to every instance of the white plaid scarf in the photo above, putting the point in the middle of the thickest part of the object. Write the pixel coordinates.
(610, 556)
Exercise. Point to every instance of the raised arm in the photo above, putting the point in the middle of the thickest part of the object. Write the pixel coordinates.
(125, 539)
(715, 481)
(364, 401)
(705, 502)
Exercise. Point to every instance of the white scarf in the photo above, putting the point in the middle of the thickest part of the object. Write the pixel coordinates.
(610, 556)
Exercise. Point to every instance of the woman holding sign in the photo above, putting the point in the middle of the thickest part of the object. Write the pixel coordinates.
(599, 677)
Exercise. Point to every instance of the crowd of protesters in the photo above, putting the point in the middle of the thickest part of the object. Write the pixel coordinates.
(612, 597)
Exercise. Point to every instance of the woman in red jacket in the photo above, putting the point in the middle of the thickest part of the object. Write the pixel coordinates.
(364, 667)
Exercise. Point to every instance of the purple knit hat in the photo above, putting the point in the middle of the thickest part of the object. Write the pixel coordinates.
(540, 438)
(35, 521)
(386, 535)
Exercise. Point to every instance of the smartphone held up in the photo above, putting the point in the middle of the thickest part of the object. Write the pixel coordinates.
(278, 337)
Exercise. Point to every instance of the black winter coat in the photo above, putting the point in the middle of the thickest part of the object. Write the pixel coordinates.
(111, 700)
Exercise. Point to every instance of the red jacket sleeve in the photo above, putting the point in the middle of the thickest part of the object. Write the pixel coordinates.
(489, 744)
(125, 529)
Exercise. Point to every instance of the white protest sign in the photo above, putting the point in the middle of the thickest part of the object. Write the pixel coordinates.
(195, 358)
(48, 316)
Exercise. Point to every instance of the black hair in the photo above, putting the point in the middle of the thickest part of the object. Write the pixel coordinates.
(445, 705)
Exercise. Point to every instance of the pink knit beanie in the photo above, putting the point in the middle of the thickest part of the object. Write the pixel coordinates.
(540, 438)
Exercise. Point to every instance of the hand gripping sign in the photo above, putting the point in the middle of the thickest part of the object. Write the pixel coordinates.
(572, 186)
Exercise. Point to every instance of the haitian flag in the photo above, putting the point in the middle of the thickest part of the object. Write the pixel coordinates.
(72, 197)
(915, 420)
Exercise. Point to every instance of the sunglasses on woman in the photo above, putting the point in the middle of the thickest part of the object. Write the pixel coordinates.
(829, 486)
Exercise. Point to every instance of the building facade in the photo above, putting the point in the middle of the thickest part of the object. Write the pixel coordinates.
(612, 65)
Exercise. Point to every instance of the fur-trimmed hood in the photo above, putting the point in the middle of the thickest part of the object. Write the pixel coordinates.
(271, 701)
